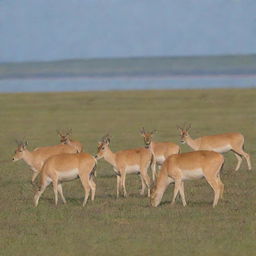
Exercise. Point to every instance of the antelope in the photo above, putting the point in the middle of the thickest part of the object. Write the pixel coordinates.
(65, 138)
(35, 159)
(160, 150)
(189, 166)
(219, 143)
(67, 167)
(126, 162)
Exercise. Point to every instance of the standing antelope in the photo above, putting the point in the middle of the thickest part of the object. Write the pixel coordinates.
(160, 150)
(125, 162)
(35, 159)
(189, 166)
(65, 138)
(219, 143)
(66, 167)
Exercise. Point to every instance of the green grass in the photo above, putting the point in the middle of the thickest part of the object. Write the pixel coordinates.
(126, 226)
(140, 66)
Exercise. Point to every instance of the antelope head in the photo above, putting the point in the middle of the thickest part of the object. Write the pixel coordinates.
(183, 133)
(147, 136)
(155, 196)
(64, 136)
(19, 152)
(103, 144)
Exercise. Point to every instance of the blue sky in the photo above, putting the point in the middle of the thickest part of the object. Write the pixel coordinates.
(67, 29)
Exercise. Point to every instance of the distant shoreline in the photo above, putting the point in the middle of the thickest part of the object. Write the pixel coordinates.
(144, 67)
(157, 77)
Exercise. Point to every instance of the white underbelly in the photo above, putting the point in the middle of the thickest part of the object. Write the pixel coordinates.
(48, 180)
(170, 180)
(160, 159)
(132, 169)
(192, 174)
(222, 149)
(68, 175)
(34, 169)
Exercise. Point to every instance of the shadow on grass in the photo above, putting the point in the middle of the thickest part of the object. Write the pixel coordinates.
(106, 176)
(198, 204)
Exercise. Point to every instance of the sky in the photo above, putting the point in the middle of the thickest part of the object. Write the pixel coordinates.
(43, 30)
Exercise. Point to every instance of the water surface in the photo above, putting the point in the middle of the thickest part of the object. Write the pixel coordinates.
(126, 83)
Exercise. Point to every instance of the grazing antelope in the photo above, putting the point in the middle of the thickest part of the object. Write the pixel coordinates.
(35, 159)
(67, 167)
(189, 166)
(160, 150)
(219, 143)
(126, 162)
(65, 138)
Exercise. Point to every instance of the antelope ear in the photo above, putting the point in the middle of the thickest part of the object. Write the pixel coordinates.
(154, 131)
(58, 132)
(179, 128)
(17, 142)
(24, 145)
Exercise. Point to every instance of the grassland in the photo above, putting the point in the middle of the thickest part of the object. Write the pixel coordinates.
(126, 226)
(140, 66)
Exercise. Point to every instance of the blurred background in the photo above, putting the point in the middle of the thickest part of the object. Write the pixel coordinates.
(76, 45)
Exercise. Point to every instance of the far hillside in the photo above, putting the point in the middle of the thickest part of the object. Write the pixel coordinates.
(141, 66)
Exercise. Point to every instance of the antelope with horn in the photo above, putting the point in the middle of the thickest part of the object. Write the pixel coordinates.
(67, 167)
(160, 150)
(35, 159)
(126, 162)
(219, 143)
(65, 138)
(189, 166)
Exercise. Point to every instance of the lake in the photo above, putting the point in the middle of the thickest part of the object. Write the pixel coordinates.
(126, 83)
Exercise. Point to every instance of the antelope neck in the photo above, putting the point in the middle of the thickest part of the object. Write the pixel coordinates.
(191, 142)
(110, 157)
(28, 157)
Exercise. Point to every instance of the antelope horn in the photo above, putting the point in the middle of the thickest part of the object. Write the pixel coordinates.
(19, 143)
(105, 137)
(143, 130)
(188, 127)
(69, 132)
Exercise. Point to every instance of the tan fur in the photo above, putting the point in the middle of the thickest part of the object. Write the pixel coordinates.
(36, 158)
(160, 150)
(125, 162)
(57, 169)
(219, 143)
(76, 144)
(189, 166)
